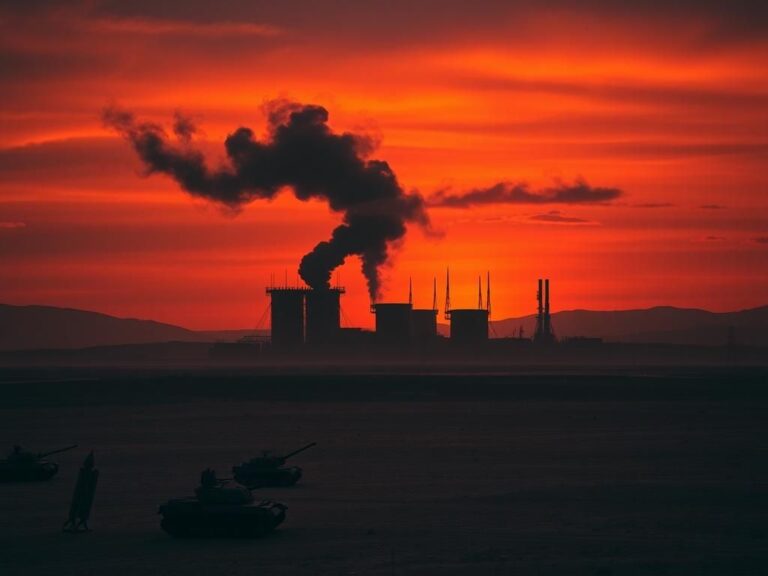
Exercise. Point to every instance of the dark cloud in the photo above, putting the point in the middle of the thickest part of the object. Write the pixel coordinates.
(714, 238)
(654, 205)
(305, 155)
(762, 239)
(557, 217)
(397, 22)
(579, 192)
(712, 207)
(174, 27)
(351, 27)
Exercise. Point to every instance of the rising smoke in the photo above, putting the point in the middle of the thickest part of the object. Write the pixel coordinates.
(302, 153)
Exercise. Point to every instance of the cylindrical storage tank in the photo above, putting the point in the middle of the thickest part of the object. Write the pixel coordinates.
(323, 316)
(423, 326)
(393, 325)
(469, 326)
(287, 317)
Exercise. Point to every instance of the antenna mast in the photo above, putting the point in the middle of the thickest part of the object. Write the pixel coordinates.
(488, 293)
(479, 292)
(447, 293)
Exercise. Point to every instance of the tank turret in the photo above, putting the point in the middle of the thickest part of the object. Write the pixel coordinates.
(220, 509)
(269, 470)
(307, 447)
(23, 466)
(57, 451)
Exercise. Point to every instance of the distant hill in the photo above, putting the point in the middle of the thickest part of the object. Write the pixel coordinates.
(35, 327)
(662, 324)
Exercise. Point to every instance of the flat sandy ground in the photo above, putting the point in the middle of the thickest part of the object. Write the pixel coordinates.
(589, 474)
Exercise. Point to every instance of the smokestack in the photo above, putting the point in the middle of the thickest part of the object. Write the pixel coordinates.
(539, 296)
(410, 291)
(434, 293)
(546, 297)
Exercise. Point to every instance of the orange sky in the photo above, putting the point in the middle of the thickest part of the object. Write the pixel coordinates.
(668, 103)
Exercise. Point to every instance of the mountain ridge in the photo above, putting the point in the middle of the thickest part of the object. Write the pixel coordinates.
(41, 326)
(664, 324)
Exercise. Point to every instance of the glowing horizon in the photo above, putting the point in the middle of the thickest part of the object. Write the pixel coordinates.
(669, 106)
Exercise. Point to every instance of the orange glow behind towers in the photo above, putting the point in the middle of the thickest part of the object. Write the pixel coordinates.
(670, 109)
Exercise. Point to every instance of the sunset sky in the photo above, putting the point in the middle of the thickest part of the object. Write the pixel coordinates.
(664, 105)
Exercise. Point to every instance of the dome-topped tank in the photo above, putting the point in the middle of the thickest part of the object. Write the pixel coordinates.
(220, 509)
(24, 466)
(269, 470)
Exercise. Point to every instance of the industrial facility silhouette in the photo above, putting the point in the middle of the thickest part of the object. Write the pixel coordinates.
(308, 321)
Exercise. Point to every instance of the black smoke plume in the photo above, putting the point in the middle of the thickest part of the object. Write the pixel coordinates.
(302, 153)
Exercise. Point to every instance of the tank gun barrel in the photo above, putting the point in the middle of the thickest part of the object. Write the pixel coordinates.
(307, 447)
(50, 453)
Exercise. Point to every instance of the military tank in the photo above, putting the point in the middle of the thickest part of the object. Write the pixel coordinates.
(24, 466)
(219, 509)
(269, 470)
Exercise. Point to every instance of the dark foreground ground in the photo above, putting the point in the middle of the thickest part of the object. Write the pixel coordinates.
(590, 473)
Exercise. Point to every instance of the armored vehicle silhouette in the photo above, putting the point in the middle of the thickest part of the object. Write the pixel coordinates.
(23, 466)
(220, 510)
(269, 470)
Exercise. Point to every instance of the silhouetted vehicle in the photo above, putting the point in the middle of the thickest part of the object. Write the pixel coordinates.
(269, 470)
(220, 510)
(23, 466)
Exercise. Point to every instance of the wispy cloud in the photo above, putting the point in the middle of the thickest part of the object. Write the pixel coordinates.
(157, 27)
(12, 225)
(579, 192)
(712, 207)
(555, 216)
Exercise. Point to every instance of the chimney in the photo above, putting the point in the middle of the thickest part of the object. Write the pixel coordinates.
(539, 296)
